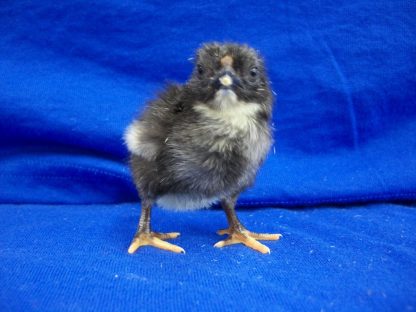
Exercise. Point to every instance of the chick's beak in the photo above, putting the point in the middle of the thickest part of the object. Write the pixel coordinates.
(226, 80)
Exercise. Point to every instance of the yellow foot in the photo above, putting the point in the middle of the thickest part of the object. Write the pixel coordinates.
(156, 240)
(247, 238)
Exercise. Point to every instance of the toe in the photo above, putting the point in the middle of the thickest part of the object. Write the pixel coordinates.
(252, 243)
(135, 244)
(261, 236)
(223, 232)
(167, 235)
(226, 242)
(156, 242)
(247, 238)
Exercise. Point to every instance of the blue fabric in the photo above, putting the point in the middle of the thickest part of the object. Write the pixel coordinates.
(73, 258)
(73, 74)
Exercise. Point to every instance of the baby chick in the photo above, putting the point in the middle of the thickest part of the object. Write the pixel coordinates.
(203, 142)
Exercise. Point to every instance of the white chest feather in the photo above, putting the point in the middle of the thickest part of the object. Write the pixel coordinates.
(231, 118)
(233, 115)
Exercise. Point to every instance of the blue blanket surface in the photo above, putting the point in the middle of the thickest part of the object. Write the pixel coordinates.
(73, 74)
(59, 258)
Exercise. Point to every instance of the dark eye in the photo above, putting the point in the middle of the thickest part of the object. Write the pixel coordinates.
(254, 72)
(200, 69)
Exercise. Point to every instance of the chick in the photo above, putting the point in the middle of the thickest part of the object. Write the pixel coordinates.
(203, 142)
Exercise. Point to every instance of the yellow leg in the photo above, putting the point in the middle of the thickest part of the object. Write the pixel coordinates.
(237, 232)
(145, 237)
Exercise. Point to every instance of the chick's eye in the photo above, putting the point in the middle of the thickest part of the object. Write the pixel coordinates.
(254, 72)
(200, 69)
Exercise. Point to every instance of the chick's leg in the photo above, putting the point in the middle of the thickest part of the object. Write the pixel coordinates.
(144, 236)
(237, 233)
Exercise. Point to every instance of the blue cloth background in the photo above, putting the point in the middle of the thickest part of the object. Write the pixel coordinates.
(73, 74)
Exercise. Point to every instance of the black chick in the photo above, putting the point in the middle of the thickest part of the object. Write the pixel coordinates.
(203, 142)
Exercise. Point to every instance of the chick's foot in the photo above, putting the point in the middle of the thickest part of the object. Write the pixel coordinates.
(236, 236)
(156, 240)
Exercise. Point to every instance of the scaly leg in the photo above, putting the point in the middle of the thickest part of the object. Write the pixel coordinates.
(237, 233)
(144, 236)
